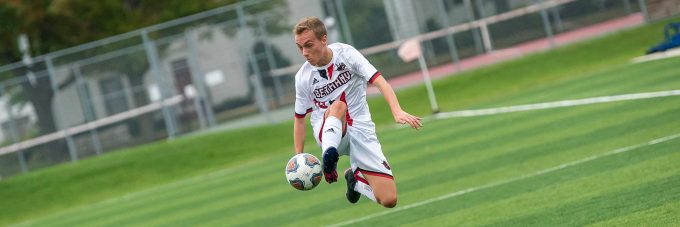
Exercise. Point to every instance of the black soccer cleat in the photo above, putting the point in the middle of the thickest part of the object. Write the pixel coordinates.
(330, 162)
(352, 195)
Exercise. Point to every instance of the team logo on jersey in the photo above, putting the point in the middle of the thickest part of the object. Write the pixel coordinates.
(315, 81)
(340, 67)
(327, 89)
(386, 165)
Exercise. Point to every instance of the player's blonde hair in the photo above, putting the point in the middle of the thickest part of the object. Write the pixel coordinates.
(310, 23)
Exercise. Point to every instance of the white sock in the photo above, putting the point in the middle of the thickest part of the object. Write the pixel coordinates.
(365, 190)
(331, 133)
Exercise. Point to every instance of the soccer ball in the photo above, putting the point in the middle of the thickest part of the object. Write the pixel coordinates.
(303, 171)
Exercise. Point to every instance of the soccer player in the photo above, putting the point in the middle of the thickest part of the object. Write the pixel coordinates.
(331, 85)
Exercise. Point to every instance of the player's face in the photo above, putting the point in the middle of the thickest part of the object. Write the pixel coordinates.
(311, 47)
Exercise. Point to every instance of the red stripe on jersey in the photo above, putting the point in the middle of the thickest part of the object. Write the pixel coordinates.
(330, 72)
(375, 76)
(348, 118)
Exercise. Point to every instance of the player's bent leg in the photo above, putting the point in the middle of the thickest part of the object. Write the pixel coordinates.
(384, 189)
(331, 135)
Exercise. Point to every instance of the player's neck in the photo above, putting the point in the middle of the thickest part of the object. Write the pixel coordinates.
(327, 58)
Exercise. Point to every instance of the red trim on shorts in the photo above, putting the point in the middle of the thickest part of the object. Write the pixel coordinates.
(356, 176)
(373, 173)
(348, 118)
(375, 76)
(330, 72)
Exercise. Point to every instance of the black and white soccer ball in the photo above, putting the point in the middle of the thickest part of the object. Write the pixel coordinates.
(303, 171)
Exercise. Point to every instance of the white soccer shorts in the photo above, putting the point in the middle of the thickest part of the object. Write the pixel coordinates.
(361, 144)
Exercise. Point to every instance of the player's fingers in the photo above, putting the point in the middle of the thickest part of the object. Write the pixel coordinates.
(413, 123)
(416, 121)
(420, 122)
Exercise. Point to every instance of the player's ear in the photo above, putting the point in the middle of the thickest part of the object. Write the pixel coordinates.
(324, 39)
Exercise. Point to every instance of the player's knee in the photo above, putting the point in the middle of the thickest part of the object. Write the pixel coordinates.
(338, 107)
(388, 200)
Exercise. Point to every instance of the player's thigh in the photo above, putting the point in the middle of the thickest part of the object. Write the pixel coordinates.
(384, 188)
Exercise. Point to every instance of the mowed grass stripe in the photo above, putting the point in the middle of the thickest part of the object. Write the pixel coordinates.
(497, 168)
(666, 215)
(402, 184)
(550, 143)
(626, 170)
(229, 193)
(468, 209)
(484, 176)
(496, 132)
(443, 163)
(616, 204)
(530, 126)
(621, 80)
(248, 181)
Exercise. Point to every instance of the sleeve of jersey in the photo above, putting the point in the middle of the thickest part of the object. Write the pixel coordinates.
(303, 105)
(361, 65)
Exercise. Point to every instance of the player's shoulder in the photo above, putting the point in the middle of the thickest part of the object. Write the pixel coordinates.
(341, 47)
(344, 50)
(304, 72)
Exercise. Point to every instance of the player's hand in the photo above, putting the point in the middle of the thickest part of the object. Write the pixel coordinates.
(402, 117)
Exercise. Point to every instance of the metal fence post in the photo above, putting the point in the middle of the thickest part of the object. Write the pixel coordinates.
(486, 36)
(202, 101)
(546, 24)
(449, 38)
(88, 109)
(256, 79)
(643, 9)
(345, 24)
(428, 83)
(14, 134)
(558, 18)
(626, 5)
(476, 36)
(72, 150)
(271, 61)
(152, 55)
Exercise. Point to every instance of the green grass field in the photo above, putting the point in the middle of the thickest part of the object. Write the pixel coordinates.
(598, 164)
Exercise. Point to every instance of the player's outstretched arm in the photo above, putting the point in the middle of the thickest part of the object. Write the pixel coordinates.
(299, 134)
(400, 116)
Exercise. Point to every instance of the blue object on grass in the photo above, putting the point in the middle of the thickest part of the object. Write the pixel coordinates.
(672, 35)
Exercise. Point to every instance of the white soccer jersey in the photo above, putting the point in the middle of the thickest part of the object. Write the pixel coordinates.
(344, 79)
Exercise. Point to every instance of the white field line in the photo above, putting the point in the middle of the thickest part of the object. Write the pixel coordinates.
(548, 105)
(498, 183)
(675, 52)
